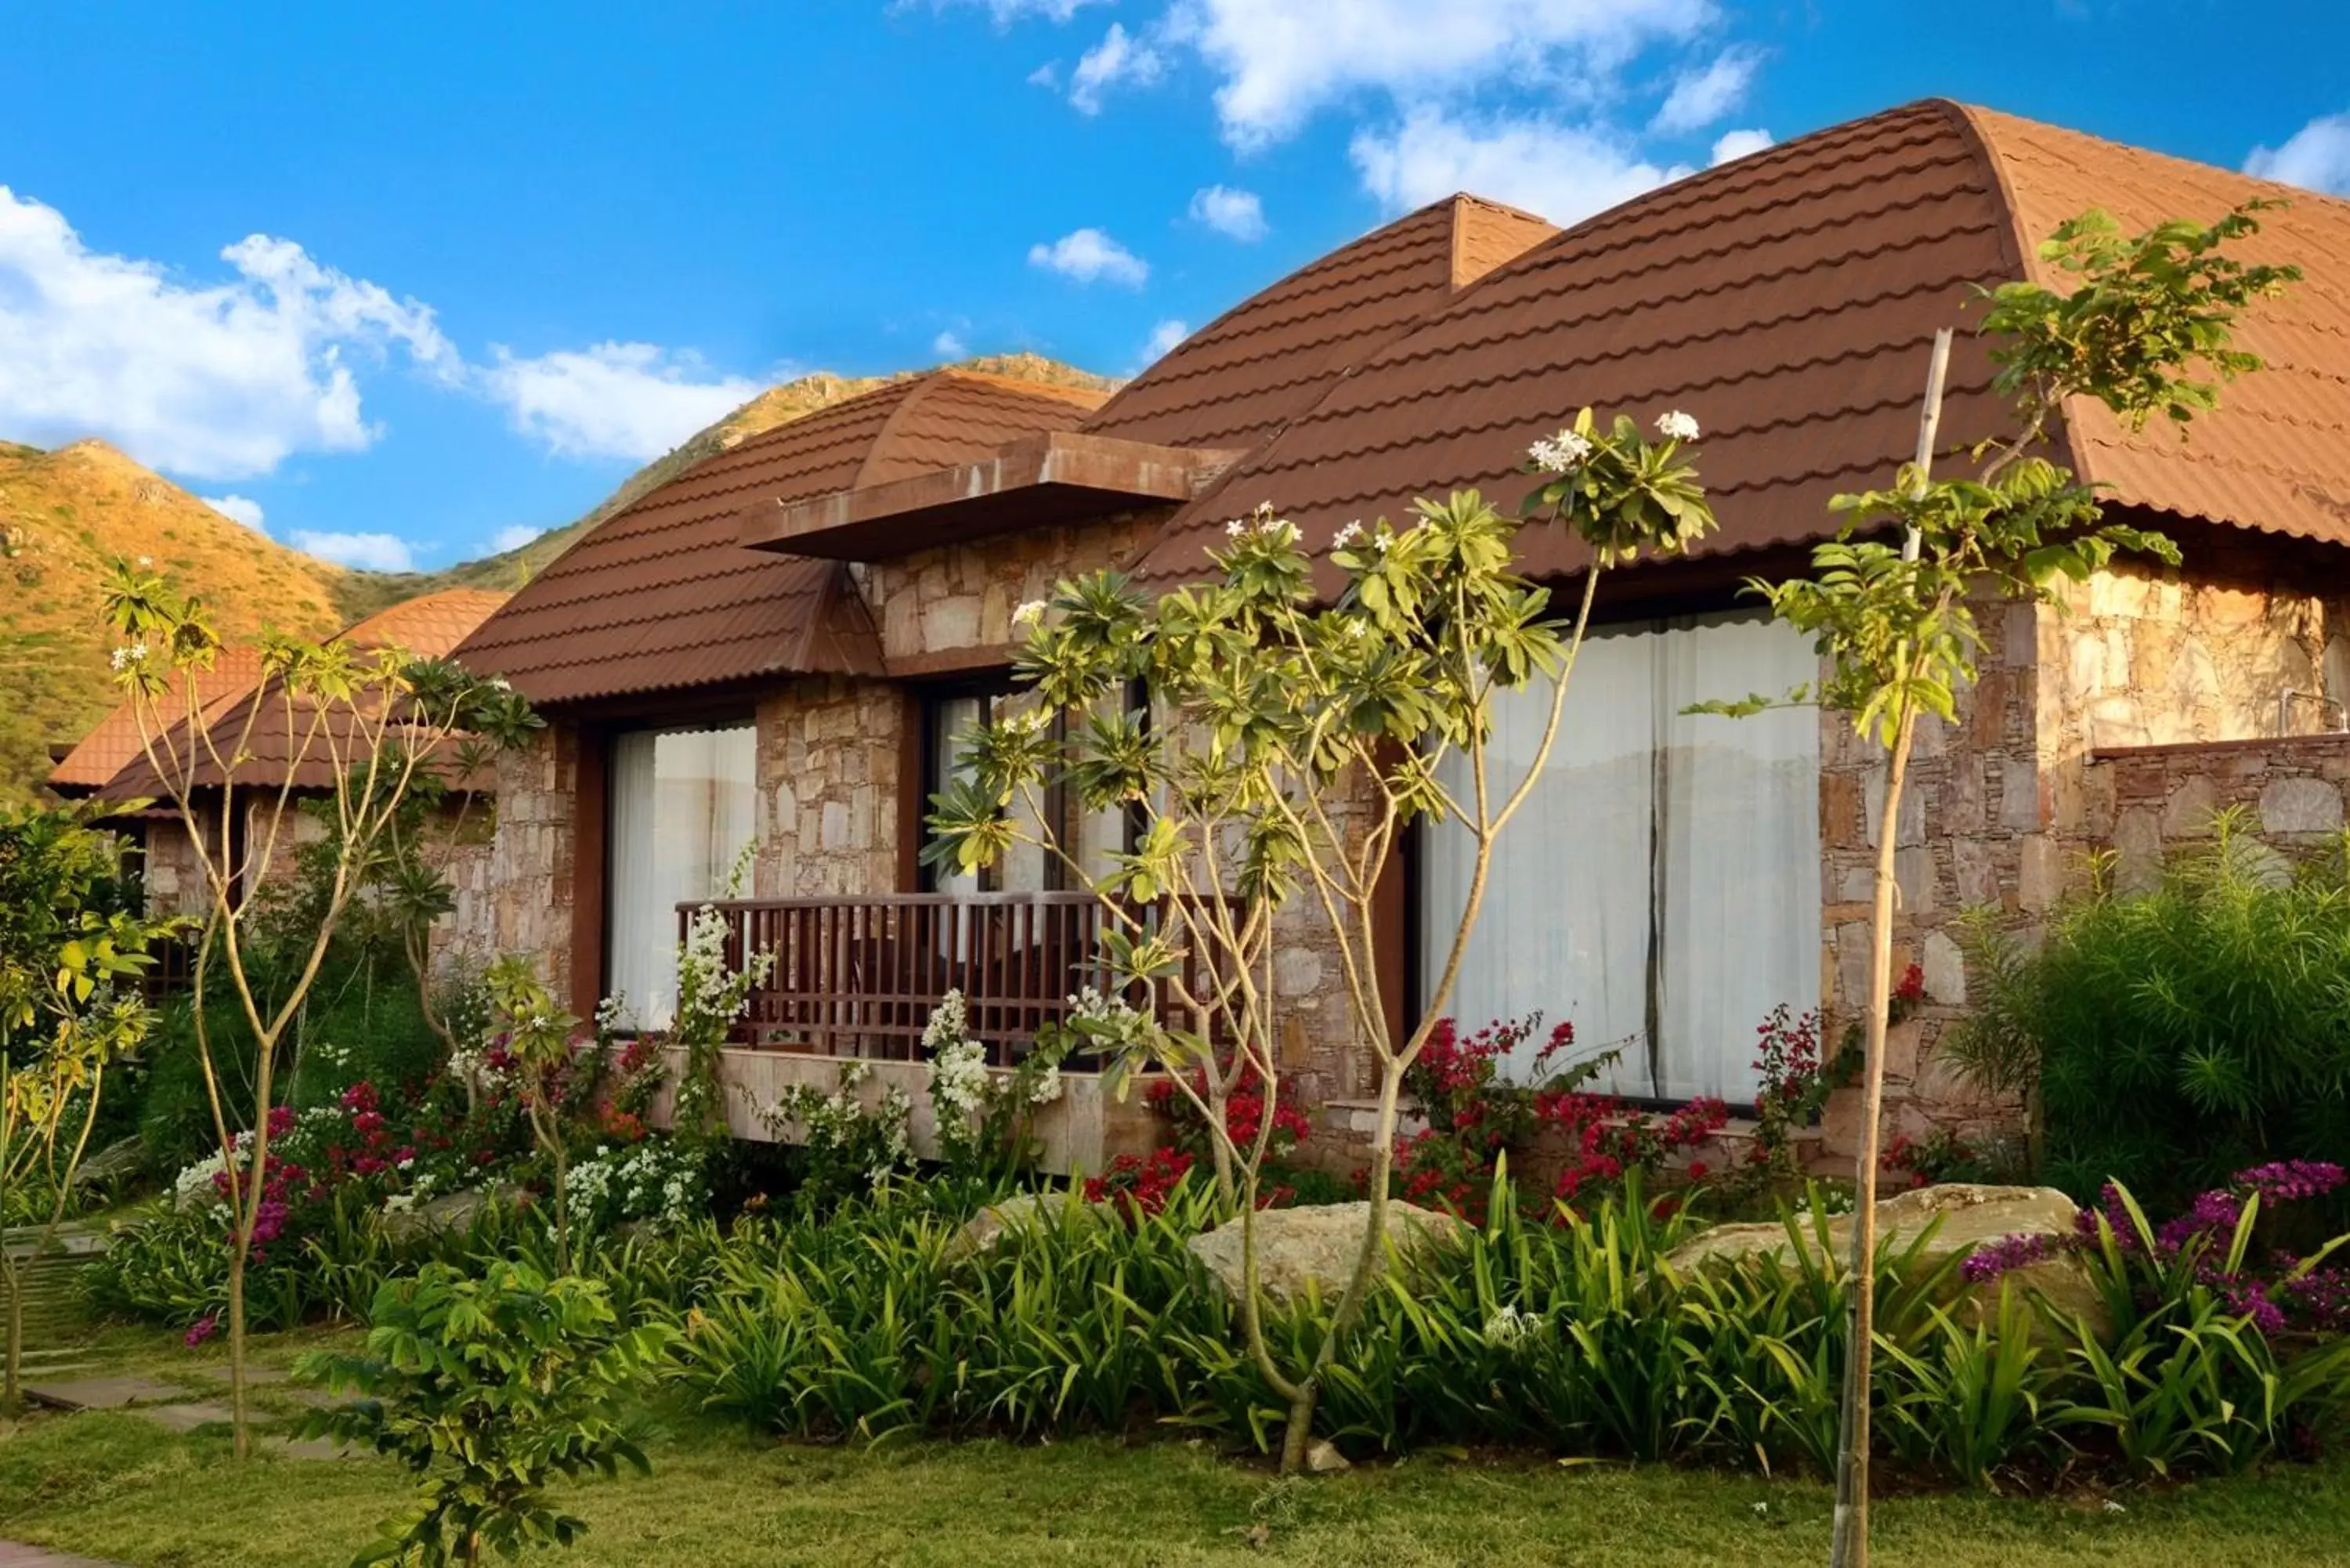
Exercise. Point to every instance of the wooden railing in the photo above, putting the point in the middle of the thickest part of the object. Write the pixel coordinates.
(860, 976)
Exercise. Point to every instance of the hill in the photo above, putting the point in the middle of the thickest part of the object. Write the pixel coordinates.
(64, 516)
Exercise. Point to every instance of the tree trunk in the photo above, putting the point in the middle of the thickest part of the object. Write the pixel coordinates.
(1849, 1545)
(243, 1439)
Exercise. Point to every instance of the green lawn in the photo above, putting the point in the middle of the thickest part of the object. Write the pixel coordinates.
(114, 1486)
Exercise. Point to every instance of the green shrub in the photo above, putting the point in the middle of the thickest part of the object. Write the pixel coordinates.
(2173, 1036)
(489, 1388)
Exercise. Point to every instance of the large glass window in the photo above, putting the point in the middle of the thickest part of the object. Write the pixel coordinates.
(949, 713)
(1661, 887)
(683, 804)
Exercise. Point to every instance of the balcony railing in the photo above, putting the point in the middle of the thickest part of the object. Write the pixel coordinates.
(860, 976)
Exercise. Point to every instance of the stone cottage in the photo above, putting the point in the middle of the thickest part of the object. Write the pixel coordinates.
(239, 706)
(777, 648)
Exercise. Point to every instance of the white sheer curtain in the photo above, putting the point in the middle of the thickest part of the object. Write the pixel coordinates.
(683, 806)
(1564, 923)
(1740, 853)
(1656, 840)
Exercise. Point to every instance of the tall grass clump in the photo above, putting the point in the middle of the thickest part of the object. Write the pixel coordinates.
(2168, 1037)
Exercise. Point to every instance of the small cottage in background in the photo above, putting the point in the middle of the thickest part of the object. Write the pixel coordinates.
(241, 712)
(778, 648)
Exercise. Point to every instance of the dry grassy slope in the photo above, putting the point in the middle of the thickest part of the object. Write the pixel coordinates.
(68, 515)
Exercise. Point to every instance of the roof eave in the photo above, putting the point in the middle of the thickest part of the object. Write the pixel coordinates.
(1059, 476)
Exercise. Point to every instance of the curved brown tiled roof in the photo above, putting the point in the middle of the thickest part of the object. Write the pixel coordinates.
(661, 596)
(1787, 301)
(1239, 378)
(256, 720)
(430, 626)
(115, 742)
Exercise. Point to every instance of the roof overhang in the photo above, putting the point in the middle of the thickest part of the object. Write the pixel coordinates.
(1059, 477)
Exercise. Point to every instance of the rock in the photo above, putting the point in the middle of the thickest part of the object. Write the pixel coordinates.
(1324, 1458)
(1028, 1210)
(1971, 1216)
(451, 1211)
(117, 1161)
(1317, 1246)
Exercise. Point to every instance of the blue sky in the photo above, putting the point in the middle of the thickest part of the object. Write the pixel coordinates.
(410, 281)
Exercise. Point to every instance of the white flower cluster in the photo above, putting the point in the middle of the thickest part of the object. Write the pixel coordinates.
(1508, 1328)
(124, 658)
(194, 1189)
(1562, 453)
(611, 1012)
(1347, 535)
(1263, 523)
(1110, 1019)
(1677, 426)
(959, 1078)
(653, 1180)
(1029, 612)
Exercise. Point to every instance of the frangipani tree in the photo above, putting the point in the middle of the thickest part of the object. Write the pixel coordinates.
(1287, 741)
(1890, 603)
(378, 723)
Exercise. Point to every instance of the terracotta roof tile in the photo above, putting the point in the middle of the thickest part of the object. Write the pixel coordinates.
(1787, 301)
(661, 596)
(1239, 378)
(431, 626)
(255, 718)
(114, 743)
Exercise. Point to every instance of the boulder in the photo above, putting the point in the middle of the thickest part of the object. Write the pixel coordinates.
(1027, 1211)
(449, 1212)
(1970, 1216)
(117, 1161)
(1317, 1246)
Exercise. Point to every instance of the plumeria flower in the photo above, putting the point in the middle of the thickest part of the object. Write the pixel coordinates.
(1347, 535)
(1677, 426)
(1029, 612)
(1560, 452)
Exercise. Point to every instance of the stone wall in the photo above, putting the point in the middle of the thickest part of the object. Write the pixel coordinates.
(829, 788)
(172, 873)
(2148, 802)
(531, 876)
(959, 598)
(2005, 805)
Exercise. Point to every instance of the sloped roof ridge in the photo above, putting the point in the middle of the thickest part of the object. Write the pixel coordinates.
(881, 448)
(1597, 226)
(1402, 354)
(1329, 261)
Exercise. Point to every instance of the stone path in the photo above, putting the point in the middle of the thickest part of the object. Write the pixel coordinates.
(15, 1556)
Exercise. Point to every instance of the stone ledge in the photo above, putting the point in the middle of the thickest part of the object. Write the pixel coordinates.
(2331, 741)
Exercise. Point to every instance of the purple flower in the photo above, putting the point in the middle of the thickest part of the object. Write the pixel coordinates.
(2290, 1180)
(204, 1329)
(2007, 1254)
(2211, 1212)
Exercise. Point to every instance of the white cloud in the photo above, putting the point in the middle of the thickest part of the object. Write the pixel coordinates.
(367, 552)
(949, 345)
(1119, 57)
(1048, 75)
(1086, 255)
(1562, 171)
(1700, 98)
(237, 508)
(513, 537)
(1003, 12)
(2317, 157)
(1163, 340)
(1237, 214)
(633, 400)
(219, 381)
(1282, 60)
(1732, 144)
